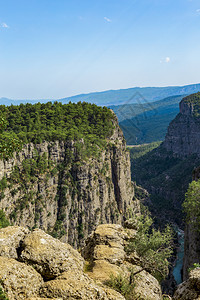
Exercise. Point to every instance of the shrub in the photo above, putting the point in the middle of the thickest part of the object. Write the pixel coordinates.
(2, 294)
(152, 246)
(123, 285)
(3, 220)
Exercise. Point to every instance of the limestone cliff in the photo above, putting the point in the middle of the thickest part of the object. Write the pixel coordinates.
(183, 135)
(166, 170)
(71, 196)
(192, 241)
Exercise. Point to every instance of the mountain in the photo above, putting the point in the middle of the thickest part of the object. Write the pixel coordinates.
(6, 101)
(118, 97)
(133, 95)
(166, 171)
(150, 121)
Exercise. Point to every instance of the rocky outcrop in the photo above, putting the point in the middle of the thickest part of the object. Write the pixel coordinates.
(10, 240)
(183, 135)
(46, 268)
(49, 257)
(189, 289)
(19, 280)
(105, 253)
(73, 195)
(191, 249)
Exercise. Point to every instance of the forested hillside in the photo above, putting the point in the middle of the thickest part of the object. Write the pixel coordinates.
(147, 122)
(55, 121)
(72, 172)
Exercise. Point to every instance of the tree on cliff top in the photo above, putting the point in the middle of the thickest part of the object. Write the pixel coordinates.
(9, 142)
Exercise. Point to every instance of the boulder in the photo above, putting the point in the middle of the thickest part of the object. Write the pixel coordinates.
(10, 240)
(189, 289)
(18, 280)
(105, 251)
(110, 235)
(74, 285)
(49, 256)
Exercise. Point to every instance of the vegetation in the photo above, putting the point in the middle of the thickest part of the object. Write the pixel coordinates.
(153, 247)
(85, 123)
(3, 220)
(194, 100)
(164, 176)
(147, 122)
(191, 204)
(123, 285)
(140, 150)
(9, 142)
(2, 294)
(195, 265)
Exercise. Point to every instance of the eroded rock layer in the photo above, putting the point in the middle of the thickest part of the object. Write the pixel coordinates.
(51, 187)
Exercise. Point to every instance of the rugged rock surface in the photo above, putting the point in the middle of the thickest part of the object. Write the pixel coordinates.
(192, 241)
(189, 289)
(72, 197)
(183, 135)
(49, 256)
(19, 280)
(62, 268)
(105, 254)
(11, 239)
(191, 249)
(75, 285)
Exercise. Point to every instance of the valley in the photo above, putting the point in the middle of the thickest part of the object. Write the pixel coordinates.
(73, 172)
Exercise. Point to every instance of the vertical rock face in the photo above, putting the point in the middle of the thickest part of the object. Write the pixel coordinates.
(183, 139)
(183, 136)
(192, 241)
(191, 249)
(70, 198)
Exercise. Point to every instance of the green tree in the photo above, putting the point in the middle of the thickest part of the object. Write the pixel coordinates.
(191, 205)
(9, 142)
(153, 247)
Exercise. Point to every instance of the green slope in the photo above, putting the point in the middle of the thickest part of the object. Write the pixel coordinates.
(151, 124)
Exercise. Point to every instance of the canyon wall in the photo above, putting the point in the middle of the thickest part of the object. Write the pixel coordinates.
(71, 196)
(183, 135)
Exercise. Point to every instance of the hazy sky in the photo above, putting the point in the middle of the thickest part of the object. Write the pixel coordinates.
(58, 48)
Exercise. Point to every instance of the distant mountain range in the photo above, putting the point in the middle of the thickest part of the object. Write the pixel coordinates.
(143, 113)
(119, 97)
(147, 123)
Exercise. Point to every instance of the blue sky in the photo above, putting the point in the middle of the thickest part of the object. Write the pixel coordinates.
(58, 48)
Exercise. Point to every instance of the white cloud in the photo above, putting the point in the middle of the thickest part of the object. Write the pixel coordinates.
(107, 19)
(165, 60)
(198, 11)
(4, 25)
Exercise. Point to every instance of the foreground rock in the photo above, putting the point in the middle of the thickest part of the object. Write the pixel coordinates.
(49, 256)
(19, 280)
(46, 268)
(10, 240)
(105, 253)
(73, 285)
(189, 289)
